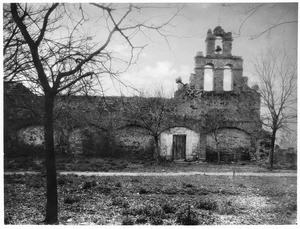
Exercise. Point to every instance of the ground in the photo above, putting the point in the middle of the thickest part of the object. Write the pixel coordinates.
(168, 200)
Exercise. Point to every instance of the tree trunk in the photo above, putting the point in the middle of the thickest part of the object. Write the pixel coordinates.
(51, 193)
(156, 149)
(218, 152)
(271, 156)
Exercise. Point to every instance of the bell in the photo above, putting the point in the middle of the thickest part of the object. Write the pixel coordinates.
(218, 49)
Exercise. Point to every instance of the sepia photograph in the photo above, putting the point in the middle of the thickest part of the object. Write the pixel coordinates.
(140, 113)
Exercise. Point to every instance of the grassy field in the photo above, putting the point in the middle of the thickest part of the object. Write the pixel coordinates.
(81, 163)
(154, 200)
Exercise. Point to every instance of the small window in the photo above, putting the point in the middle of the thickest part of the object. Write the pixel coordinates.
(208, 78)
(227, 84)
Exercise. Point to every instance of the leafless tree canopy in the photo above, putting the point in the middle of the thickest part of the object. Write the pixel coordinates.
(277, 78)
(66, 48)
(74, 42)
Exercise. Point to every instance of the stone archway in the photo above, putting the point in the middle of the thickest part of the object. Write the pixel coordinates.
(179, 143)
(231, 140)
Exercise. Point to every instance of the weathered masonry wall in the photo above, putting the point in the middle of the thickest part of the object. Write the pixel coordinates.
(137, 141)
(230, 139)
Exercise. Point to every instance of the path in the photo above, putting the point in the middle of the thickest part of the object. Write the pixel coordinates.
(164, 174)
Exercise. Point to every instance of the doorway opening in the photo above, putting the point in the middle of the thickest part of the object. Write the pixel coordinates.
(179, 147)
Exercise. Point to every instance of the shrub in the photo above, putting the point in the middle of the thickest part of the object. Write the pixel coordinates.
(226, 208)
(192, 191)
(149, 210)
(104, 189)
(71, 199)
(118, 184)
(136, 210)
(168, 208)
(187, 216)
(153, 210)
(141, 220)
(89, 184)
(35, 182)
(170, 191)
(121, 202)
(206, 204)
(135, 180)
(127, 221)
(187, 185)
(143, 191)
(156, 220)
(62, 180)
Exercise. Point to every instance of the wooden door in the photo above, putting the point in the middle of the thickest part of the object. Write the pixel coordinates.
(179, 144)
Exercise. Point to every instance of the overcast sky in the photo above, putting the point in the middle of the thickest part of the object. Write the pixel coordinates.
(160, 64)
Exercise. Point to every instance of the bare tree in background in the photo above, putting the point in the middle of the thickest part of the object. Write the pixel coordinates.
(215, 121)
(154, 114)
(277, 79)
(54, 50)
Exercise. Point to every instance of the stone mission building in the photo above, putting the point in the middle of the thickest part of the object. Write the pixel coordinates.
(216, 110)
(235, 108)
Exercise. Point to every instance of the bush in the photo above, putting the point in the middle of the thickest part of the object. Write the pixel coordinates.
(71, 199)
(206, 204)
(168, 208)
(118, 185)
(89, 184)
(105, 190)
(188, 185)
(62, 180)
(141, 220)
(153, 210)
(149, 210)
(127, 221)
(156, 220)
(187, 216)
(121, 202)
(136, 210)
(143, 191)
(226, 208)
(170, 191)
(35, 182)
(135, 180)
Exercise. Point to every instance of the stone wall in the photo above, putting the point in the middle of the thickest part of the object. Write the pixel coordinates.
(230, 139)
(134, 141)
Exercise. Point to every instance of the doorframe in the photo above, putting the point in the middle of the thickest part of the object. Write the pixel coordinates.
(173, 150)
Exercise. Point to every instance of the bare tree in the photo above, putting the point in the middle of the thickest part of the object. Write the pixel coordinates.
(277, 79)
(215, 121)
(154, 114)
(62, 56)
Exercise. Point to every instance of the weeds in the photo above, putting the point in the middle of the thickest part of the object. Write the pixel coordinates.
(187, 216)
(226, 208)
(89, 184)
(206, 204)
(71, 199)
(121, 202)
(141, 220)
(128, 221)
(168, 208)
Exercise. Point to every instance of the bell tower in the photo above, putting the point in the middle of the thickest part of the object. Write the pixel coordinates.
(218, 58)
